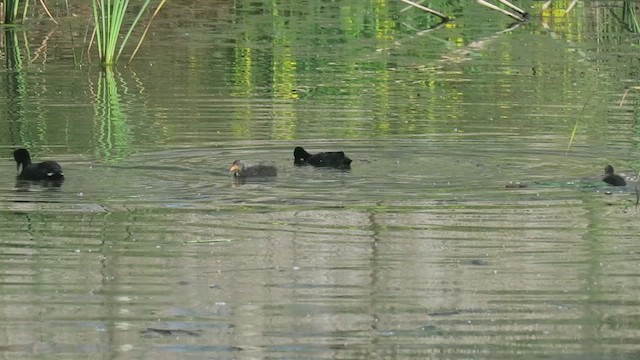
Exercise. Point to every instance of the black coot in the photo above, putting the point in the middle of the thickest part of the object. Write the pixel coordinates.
(611, 178)
(336, 159)
(46, 170)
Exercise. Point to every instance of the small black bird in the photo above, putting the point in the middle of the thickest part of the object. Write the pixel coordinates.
(611, 178)
(336, 159)
(46, 170)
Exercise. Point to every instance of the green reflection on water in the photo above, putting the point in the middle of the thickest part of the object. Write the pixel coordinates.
(112, 132)
(325, 71)
(25, 130)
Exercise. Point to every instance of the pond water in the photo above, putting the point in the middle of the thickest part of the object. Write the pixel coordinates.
(150, 249)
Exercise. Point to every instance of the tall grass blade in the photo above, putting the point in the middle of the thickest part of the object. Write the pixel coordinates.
(10, 11)
(505, 2)
(429, 10)
(133, 25)
(109, 18)
(571, 6)
(44, 6)
(573, 135)
(97, 33)
(116, 16)
(506, 12)
(575, 126)
(629, 16)
(146, 29)
(11, 8)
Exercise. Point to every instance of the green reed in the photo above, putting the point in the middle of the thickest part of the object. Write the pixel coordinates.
(11, 10)
(629, 16)
(109, 16)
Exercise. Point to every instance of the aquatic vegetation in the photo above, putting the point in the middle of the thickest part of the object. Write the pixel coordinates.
(11, 8)
(629, 17)
(519, 15)
(109, 17)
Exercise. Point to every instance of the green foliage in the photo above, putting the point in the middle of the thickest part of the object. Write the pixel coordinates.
(109, 16)
(629, 16)
(11, 10)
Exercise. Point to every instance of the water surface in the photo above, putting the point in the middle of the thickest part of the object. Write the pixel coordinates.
(151, 250)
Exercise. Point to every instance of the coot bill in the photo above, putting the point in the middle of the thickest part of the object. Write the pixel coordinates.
(240, 168)
(324, 159)
(46, 170)
(611, 178)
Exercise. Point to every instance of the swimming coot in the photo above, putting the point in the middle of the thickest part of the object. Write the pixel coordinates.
(611, 178)
(336, 159)
(240, 168)
(46, 170)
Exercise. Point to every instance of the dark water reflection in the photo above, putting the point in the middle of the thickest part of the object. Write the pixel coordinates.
(151, 250)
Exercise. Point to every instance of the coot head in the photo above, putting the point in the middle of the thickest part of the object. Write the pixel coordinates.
(300, 155)
(22, 158)
(608, 170)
